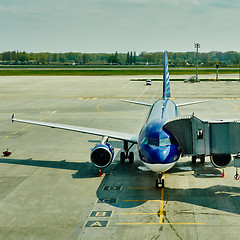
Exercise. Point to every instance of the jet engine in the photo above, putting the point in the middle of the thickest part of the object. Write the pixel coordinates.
(102, 155)
(220, 160)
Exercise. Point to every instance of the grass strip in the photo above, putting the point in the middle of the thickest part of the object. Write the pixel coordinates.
(104, 72)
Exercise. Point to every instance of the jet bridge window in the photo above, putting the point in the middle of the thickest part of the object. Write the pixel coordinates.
(200, 134)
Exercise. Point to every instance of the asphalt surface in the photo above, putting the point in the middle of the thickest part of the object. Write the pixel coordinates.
(50, 190)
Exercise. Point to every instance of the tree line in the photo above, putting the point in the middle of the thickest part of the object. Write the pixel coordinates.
(176, 59)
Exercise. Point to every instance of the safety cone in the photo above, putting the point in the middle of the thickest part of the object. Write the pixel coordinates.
(7, 153)
(223, 174)
(100, 172)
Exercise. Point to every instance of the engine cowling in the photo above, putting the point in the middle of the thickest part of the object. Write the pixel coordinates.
(220, 160)
(102, 155)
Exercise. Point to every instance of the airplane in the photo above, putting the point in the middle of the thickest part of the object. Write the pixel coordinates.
(158, 148)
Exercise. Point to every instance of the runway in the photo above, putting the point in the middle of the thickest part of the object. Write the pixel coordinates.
(50, 190)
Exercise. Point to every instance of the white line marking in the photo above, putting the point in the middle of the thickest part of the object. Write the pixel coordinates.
(126, 84)
(142, 93)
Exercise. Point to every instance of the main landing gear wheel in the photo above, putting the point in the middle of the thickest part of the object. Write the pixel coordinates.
(123, 157)
(126, 154)
(131, 157)
(160, 181)
(202, 159)
(194, 159)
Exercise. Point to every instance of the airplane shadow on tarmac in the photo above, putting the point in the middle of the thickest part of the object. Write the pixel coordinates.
(128, 186)
(138, 187)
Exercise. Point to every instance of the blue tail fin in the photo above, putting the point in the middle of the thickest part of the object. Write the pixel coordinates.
(166, 84)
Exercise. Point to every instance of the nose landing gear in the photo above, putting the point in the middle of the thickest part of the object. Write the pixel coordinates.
(160, 180)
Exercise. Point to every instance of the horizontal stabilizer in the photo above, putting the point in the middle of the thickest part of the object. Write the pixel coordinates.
(134, 102)
(191, 103)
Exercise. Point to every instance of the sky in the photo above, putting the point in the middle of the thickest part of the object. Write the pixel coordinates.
(106, 26)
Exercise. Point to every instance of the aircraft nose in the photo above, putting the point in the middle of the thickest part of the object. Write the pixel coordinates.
(155, 155)
(163, 154)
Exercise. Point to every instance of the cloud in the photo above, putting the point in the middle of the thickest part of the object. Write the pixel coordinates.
(195, 2)
(225, 4)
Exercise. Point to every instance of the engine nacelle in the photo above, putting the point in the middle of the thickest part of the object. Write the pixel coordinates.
(102, 155)
(220, 160)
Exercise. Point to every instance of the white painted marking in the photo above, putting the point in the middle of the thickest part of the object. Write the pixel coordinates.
(159, 96)
(126, 84)
(142, 93)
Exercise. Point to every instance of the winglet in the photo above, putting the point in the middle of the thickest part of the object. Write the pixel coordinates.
(12, 118)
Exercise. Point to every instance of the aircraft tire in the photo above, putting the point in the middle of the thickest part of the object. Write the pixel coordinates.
(194, 159)
(163, 183)
(122, 157)
(131, 157)
(202, 159)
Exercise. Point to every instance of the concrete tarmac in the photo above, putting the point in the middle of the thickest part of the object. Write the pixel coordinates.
(50, 190)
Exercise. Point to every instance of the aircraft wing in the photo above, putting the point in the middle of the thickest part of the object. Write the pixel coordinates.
(133, 138)
(190, 103)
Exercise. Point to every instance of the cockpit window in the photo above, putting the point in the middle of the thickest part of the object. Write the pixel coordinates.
(165, 142)
(150, 141)
(153, 141)
(156, 142)
(144, 141)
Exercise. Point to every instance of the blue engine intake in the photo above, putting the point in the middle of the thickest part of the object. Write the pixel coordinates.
(102, 155)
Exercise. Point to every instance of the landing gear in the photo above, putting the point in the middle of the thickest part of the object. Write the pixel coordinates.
(126, 154)
(201, 157)
(122, 157)
(194, 159)
(160, 181)
(131, 157)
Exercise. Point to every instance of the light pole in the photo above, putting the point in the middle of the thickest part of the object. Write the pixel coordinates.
(239, 71)
(217, 66)
(197, 46)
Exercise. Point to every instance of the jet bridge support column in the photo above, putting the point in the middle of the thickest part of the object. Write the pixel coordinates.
(237, 165)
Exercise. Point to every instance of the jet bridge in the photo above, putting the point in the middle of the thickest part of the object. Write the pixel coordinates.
(197, 137)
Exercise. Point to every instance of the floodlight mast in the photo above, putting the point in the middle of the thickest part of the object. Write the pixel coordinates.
(197, 46)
